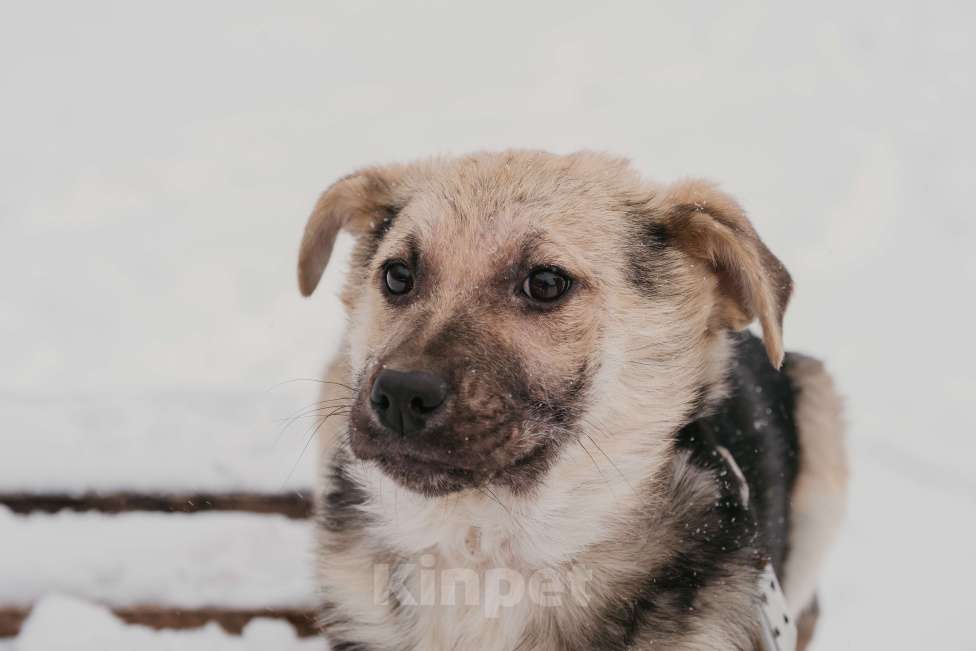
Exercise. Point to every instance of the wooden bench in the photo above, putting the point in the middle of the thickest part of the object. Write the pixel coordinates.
(173, 509)
(292, 505)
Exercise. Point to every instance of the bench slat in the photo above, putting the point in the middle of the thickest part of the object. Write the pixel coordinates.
(293, 505)
(231, 620)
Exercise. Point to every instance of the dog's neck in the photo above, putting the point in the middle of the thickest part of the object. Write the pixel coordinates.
(494, 527)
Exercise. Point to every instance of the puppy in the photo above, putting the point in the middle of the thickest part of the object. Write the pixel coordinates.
(546, 427)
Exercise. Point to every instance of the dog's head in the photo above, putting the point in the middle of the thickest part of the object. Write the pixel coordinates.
(498, 301)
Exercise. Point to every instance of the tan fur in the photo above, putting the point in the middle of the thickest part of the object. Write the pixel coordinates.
(720, 278)
(713, 227)
(820, 493)
(805, 626)
(353, 203)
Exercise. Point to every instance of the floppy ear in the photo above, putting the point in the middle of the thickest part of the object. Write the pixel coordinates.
(710, 226)
(360, 203)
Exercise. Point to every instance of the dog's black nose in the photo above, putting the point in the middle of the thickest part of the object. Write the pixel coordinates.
(404, 400)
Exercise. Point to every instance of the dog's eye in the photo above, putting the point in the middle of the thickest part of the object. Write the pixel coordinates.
(545, 285)
(398, 278)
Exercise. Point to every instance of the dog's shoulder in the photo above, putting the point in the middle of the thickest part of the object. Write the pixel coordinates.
(756, 423)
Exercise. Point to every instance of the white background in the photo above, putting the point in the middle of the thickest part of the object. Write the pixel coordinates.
(157, 162)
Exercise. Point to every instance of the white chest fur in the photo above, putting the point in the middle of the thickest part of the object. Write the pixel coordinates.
(474, 571)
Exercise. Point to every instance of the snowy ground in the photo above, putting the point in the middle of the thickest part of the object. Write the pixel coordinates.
(158, 162)
(241, 441)
(231, 560)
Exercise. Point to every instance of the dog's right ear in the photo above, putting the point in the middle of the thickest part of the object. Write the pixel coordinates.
(710, 226)
(361, 203)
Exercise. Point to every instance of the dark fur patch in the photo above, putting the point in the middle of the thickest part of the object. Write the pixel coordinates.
(478, 438)
(562, 410)
(343, 500)
(413, 252)
(367, 245)
(337, 645)
(459, 335)
(388, 215)
(525, 474)
(340, 513)
(721, 539)
(329, 620)
(757, 426)
(714, 544)
(646, 259)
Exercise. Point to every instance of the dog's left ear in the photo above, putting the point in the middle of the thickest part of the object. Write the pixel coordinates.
(710, 226)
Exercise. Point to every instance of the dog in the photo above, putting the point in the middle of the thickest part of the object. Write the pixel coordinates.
(547, 426)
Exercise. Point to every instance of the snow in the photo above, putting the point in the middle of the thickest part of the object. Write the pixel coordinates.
(232, 560)
(187, 441)
(65, 623)
(908, 545)
(157, 169)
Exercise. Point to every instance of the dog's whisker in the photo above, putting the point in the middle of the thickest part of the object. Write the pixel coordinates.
(485, 490)
(305, 412)
(318, 406)
(311, 379)
(308, 442)
(664, 366)
(281, 432)
(597, 427)
(595, 465)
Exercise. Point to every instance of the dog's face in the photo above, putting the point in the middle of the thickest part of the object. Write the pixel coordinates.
(499, 301)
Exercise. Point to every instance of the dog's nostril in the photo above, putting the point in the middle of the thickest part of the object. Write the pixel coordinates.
(382, 403)
(422, 406)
